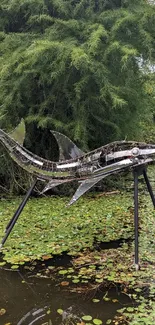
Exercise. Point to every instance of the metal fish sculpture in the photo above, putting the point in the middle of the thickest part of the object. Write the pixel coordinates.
(88, 168)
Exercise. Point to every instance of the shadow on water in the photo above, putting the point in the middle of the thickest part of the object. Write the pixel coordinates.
(34, 301)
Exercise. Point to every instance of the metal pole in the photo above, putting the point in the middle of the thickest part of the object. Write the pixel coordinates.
(136, 218)
(149, 187)
(17, 213)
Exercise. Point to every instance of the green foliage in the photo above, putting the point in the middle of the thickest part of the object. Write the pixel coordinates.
(41, 233)
(144, 313)
(74, 67)
(81, 226)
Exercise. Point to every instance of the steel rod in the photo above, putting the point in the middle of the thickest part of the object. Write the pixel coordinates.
(149, 187)
(136, 219)
(17, 213)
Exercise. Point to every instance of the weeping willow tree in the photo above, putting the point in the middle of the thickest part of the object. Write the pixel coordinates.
(77, 67)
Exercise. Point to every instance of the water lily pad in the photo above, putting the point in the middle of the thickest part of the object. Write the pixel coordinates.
(130, 309)
(87, 318)
(2, 311)
(46, 257)
(97, 321)
(96, 300)
(60, 311)
(106, 299)
(75, 280)
(108, 321)
(62, 272)
(64, 283)
(99, 280)
(14, 267)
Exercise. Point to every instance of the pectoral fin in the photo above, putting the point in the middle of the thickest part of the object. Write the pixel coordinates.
(102, 173)
(67, 148)
(18, 134)
(85, 186)
(54, 183)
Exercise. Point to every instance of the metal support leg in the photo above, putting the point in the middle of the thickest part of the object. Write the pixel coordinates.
(16, 215)
(136, 218)
(149, 187)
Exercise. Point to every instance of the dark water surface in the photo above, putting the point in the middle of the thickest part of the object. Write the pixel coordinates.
(27, 301)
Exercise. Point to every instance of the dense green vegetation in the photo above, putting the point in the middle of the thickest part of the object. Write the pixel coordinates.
(81, 67)
(54, 229)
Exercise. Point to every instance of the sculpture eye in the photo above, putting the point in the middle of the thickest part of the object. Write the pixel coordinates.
(135, 152)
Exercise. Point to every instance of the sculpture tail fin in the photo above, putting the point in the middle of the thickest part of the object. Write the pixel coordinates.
(18, 134)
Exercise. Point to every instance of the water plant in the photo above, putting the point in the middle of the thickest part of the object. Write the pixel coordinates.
(47, 229)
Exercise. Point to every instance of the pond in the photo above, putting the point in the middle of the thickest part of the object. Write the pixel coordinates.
(96, 235)
(28, 300)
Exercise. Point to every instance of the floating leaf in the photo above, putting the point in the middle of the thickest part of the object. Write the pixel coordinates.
(106, 299)
(14, 267)
(108, 321)
(75, 280)
(97, 257)
(2, 311)
(99, 280)
(60, 311)
(64, 283)
(87, 317)
(95, 300)
(130, 309)
(138, 289)
(50, 267)
(97, 321)
(62, 272)
(46, 257)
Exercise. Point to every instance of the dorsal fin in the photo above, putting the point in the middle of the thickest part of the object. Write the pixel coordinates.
(67, 148)
(18, 134)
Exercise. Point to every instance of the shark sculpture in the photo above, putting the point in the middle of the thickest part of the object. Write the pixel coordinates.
(87, 168)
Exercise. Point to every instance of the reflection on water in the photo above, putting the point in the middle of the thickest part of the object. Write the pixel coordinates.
(32, 301)
(34, 316)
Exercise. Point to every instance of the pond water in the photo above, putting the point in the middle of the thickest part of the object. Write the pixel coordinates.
(34, 301)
